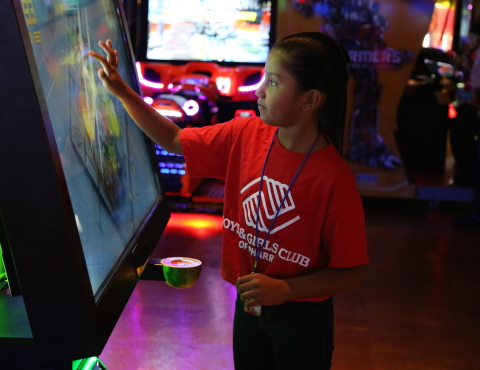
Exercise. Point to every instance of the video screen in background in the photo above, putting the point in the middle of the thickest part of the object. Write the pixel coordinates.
(235, 31)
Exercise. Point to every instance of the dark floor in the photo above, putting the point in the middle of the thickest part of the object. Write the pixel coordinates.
(419, 308)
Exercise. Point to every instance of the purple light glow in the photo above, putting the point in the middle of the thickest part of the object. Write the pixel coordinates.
(251, 87)
(179, 329)
(143, 81)
(174, 88)
(191, 107)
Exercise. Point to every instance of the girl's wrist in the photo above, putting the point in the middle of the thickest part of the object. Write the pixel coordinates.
(286, 290)
(127, 94)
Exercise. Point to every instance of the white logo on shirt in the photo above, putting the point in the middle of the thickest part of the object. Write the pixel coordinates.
(275, 191)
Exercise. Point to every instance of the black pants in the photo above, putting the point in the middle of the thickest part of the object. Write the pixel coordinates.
(293, 335)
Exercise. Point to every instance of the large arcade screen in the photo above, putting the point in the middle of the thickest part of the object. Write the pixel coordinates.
(233, 31)
(105, 159)
(81, 204)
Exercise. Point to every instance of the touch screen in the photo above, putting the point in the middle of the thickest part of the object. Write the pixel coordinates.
(105, 157)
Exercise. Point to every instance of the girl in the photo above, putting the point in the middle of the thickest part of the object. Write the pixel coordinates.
(294, 232)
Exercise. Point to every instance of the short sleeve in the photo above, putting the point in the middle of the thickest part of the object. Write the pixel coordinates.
(344, 232)
(207, 149)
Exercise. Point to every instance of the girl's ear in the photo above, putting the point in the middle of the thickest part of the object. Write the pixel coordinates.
(314, 99)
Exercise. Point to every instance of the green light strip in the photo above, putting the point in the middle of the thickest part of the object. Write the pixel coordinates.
(92, 363)
(3, 274)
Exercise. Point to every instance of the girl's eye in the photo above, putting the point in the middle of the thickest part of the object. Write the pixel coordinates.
(272, 83)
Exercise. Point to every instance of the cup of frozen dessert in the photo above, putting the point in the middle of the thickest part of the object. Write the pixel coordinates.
(181, 272)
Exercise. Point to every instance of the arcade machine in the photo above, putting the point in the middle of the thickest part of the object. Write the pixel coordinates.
(81, 203)
(425, 112)
(200, 63)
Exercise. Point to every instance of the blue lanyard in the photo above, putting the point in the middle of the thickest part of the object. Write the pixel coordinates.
(258, 249)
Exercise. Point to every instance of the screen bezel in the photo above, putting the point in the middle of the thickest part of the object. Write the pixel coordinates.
(66, 319)
(8, 264)
(143, 26)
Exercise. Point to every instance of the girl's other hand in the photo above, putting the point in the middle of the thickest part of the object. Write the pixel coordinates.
(109, 75)
(260, 289)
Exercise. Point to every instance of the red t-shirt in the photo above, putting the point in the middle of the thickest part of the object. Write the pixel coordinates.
(321, 223)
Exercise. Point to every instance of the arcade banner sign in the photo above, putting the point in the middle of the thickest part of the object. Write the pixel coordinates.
(382, 51)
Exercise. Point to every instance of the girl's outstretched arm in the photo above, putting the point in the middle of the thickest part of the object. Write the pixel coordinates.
(159, 128)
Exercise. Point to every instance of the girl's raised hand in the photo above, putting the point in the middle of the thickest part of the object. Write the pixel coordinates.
(109, 75)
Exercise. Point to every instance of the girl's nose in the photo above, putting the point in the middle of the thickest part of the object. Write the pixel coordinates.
(260, 90)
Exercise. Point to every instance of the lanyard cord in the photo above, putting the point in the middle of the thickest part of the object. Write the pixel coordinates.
(258, 250)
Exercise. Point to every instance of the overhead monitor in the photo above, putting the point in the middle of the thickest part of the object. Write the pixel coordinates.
(224, 32)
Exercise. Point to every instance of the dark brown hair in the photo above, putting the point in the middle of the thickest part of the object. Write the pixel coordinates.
(316, 61)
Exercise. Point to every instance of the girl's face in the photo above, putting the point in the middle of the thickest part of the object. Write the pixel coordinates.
(279, 100)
